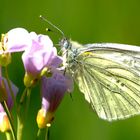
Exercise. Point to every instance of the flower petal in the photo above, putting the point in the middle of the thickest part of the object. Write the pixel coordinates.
(53, 90)
(17, 39)
(40, 55)
(7, 90)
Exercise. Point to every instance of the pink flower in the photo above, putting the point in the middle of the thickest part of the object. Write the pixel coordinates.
(16, 40)
(41, 54)
(53, 90)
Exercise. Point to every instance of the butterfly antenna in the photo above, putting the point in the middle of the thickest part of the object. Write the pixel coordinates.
(54, 26)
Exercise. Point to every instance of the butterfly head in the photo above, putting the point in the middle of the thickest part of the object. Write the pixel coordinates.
(65, 43)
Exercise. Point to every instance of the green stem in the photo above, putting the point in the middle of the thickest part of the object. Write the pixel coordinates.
(20, 118)
(47, 132)
(8, 135)
(10, 119)
(42, 134)
(38, 134)
(19, 128)
(27, 101)
(23, 96)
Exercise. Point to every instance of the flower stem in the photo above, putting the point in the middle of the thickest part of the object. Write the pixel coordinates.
(38, 134)
(42, 134)
(10, 119)
(47, 133)
(27, 102)
(8, 135)
(19, 128)
(22, 118)
(23, 96)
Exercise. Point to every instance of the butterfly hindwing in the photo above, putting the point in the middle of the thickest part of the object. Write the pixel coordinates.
(109, 77)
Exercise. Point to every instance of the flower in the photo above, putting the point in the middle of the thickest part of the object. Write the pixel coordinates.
(16, 40)
(4, 122)
(53, 90)
(40, 55)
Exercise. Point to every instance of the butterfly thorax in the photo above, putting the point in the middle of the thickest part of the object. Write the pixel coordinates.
(70, 53)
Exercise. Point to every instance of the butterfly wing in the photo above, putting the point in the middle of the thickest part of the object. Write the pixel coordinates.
(109, 77)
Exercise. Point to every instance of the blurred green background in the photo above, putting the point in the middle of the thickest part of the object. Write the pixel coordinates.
(86, 21)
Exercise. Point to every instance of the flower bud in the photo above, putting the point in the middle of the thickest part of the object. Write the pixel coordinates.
(29, 80)
(4, 122)
(53, 90)
(5, 59)
(44, 118)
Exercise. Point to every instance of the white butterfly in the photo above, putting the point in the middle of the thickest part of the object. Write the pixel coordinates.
(108, 74)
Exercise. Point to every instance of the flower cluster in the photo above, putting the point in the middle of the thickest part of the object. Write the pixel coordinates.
(41, 64)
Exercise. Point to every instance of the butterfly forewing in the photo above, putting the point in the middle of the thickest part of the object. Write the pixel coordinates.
(109, 77)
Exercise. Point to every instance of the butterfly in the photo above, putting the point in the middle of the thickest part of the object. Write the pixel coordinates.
(108, 74)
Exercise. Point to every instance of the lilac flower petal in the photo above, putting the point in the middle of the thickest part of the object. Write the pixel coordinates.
(1, 108)
(57, 74)
(2, 114)
(17, 39)
(40, 54)
(14, 89)
(32, 64)
(43, 40)
(35, 61)
(56, 60)
(45, 103)
(53, 90)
